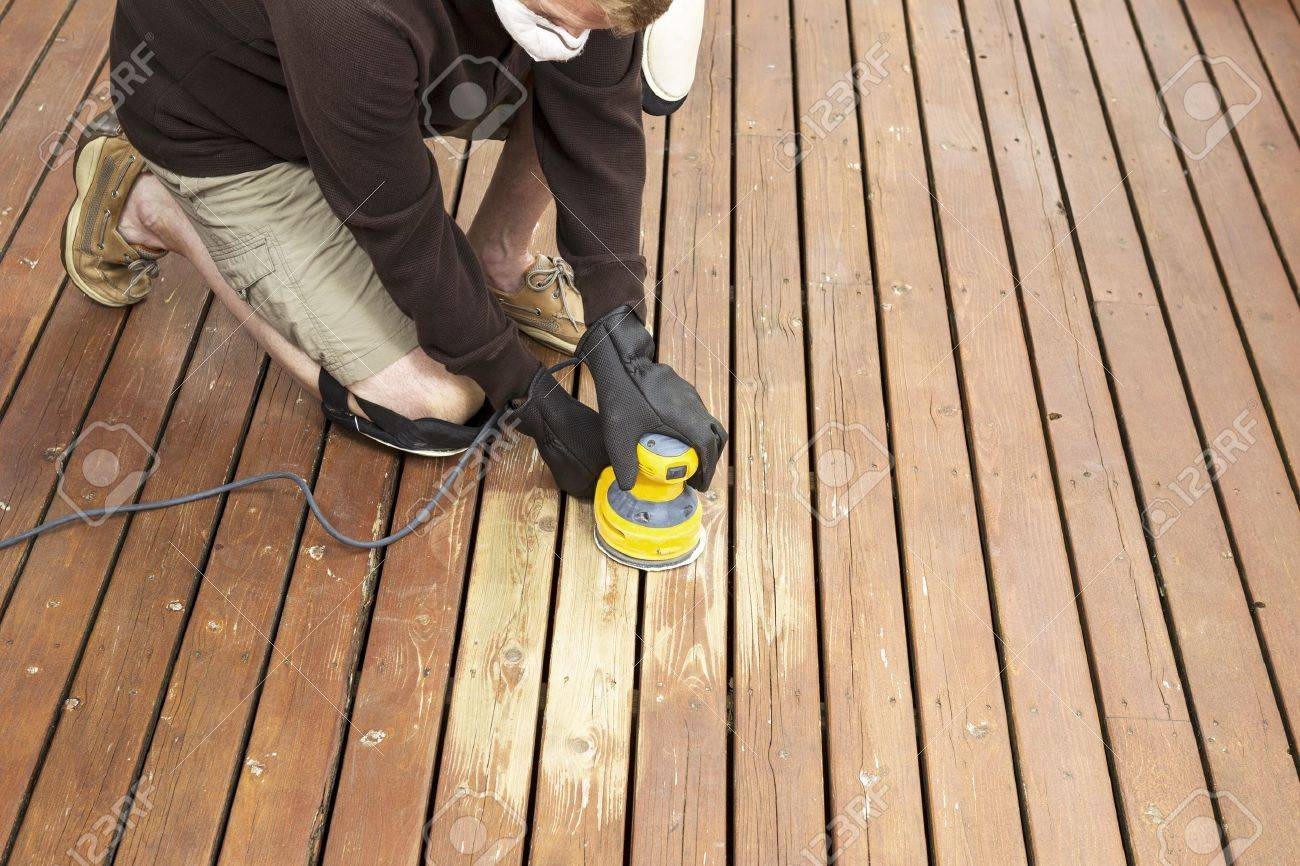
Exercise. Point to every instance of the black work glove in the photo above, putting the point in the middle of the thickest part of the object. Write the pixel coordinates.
(638, 396)
(567, 434)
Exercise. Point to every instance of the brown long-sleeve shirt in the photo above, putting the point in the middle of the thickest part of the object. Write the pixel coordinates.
(353, 87)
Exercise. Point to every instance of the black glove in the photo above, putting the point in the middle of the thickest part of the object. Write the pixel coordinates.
(638, 396)
(566, 431)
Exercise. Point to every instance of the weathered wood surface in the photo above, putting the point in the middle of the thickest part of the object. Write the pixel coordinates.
(970, 595)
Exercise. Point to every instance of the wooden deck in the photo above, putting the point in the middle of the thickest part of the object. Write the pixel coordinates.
(1041, 631)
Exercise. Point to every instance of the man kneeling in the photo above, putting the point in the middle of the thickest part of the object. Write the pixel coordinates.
(279, 145)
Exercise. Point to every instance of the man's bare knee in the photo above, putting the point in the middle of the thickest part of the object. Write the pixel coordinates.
(417, 386)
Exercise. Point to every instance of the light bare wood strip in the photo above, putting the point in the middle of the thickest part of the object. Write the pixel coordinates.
(26, 30)
(488, 749)
(1058, 736)
(1257, 281)
(119, 682)
(1239, 725)
(50, 611)
(1276, 32)
(283, 795)
(193, 759)
(382, 796)
(1268, 140)
(1260, 504)
(581, 801)
(487, 753)
(974, 810)
(779, 812)
(1153, 744)
(580, 805)
(680, 798)
(71, 65)
(873, 768)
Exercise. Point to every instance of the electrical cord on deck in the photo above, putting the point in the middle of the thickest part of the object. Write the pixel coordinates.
(484, 432)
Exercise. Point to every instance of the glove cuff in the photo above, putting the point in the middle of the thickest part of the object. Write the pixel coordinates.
(599, 333)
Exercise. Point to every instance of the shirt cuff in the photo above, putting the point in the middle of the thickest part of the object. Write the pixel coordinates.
(608, 284)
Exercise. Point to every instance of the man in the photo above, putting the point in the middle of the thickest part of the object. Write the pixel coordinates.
(279, 146)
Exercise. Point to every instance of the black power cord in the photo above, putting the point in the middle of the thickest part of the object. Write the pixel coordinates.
(484, 432)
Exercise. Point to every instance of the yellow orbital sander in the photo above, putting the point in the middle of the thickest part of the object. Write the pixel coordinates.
(656, 525)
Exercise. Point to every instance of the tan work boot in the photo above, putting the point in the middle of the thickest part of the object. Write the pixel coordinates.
(95, 255)
(547, 306)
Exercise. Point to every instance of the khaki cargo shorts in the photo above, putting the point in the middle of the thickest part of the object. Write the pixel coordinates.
(278, 244)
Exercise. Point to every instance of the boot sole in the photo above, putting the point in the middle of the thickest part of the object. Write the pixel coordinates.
(547, 339)
(84, 173)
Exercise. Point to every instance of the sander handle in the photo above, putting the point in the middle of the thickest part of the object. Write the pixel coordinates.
(663, 465)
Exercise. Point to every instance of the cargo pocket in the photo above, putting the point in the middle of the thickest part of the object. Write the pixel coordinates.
(254, 266)
(245, 263)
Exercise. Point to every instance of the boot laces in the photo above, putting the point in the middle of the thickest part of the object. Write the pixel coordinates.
(558, 277)
(142, 271)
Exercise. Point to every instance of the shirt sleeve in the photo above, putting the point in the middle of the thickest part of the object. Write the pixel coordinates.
(352, 78)
(591, 144)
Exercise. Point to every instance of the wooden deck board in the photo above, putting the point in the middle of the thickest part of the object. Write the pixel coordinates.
(680, 794)
(969, 596)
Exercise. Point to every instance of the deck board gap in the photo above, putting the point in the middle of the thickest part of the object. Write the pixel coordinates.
(75, 431)
(36, 62)
(360, 642)
(995, 614)
(217, 517)
(900, 535)
(127, 521)
(1076, 581)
